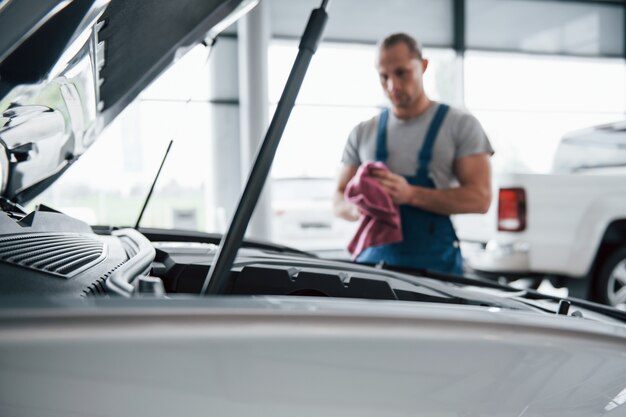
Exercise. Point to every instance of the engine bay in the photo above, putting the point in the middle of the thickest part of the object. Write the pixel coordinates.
(48, 252)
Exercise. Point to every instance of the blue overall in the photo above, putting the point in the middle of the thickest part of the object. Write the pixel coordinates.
(429, 241)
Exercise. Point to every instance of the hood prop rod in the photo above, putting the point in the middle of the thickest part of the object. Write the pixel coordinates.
(217, 277)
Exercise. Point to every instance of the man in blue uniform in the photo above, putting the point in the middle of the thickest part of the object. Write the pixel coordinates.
(438, 158)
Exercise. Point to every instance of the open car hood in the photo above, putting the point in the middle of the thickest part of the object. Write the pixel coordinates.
(68, 68)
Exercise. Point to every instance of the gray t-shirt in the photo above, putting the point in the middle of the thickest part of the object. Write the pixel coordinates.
(460, 135)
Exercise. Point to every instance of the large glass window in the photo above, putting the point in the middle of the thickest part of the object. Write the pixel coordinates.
(527, 103)
(109, 183)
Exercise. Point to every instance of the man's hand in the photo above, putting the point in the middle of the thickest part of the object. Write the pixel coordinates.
(400, 191)
(473, 195)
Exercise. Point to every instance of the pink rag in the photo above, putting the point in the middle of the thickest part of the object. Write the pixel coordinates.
(380, 217)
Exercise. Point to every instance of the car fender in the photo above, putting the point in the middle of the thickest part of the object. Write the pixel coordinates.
(589, 233)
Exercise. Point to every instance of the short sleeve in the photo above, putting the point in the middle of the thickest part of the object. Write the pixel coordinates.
(351, 150)
(470, 137)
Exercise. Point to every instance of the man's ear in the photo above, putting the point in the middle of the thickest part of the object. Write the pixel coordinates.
(424, 65)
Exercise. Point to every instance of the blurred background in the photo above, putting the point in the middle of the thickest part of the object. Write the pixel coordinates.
(529, 70)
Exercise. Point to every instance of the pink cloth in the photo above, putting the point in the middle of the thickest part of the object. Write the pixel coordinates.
(380, 217)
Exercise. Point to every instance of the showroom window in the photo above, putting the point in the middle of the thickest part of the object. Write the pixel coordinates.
(109, 183)
(526, 103)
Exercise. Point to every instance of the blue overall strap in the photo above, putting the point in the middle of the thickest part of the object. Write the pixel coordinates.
(426, 153)
(381, 137)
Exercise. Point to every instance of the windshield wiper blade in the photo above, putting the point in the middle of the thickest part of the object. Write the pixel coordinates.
(578, 302)
(527, 298)
(218, 274)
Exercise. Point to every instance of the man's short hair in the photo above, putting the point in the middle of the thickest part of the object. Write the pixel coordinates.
(414, 47)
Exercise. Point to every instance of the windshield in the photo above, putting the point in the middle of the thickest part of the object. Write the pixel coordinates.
(599, 147)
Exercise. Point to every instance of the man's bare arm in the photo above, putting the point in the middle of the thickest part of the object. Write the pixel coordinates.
(473, 195)
(341, 207)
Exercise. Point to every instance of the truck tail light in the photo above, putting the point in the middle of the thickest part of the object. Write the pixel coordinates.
(512, 210)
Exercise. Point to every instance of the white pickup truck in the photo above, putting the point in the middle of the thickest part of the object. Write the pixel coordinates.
(570, 225)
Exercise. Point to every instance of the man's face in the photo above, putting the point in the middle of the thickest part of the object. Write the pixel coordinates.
(400, 75)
